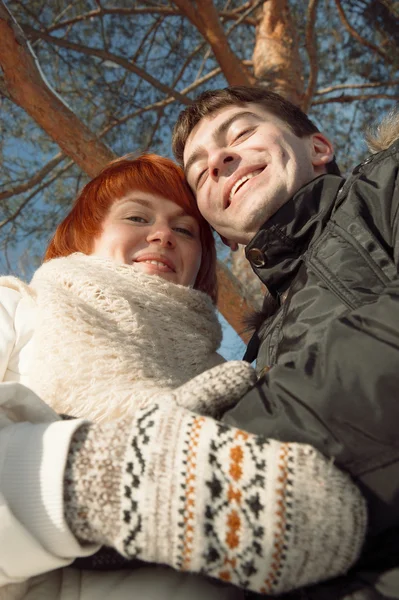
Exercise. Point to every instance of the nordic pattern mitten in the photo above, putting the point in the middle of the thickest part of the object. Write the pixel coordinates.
(181, 489)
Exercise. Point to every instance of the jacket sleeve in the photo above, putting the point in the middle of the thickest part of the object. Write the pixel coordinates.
(34, 536)
(350, 412)
(9, 300)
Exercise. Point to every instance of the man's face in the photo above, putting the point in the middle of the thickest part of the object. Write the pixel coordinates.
(244, 163)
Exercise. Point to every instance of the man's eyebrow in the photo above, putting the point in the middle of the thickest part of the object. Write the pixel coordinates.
(219, 131)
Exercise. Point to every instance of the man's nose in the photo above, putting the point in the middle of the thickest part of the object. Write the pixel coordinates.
(162, 235)
(220, 162)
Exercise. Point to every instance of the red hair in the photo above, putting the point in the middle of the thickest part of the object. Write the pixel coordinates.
(147, 173)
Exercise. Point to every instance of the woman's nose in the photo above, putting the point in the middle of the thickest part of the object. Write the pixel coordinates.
(163, 235)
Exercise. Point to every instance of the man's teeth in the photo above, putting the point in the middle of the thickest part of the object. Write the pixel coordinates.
(241, 181)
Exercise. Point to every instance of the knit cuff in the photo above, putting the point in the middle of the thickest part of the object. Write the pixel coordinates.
(92, 495)
(34, 456)
(205, 497)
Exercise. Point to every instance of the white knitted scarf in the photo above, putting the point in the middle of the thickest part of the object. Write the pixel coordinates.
(107, 336)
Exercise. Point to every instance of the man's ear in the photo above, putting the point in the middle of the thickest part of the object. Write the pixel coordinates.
(322, 151)
(232, 245)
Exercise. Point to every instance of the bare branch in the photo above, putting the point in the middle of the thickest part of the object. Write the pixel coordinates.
(345, 99)
(160, 104)
(35, 179)
(156, 10)
(357, 86)
(243, 17)
(119, 60)
(311, 48)
(29, 198)
(29, 89)
(206, 19)
(355, 34)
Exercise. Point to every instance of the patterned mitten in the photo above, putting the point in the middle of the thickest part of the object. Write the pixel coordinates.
(213, 392)
(176, 488)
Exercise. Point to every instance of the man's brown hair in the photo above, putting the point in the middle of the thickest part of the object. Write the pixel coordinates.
(213, 100)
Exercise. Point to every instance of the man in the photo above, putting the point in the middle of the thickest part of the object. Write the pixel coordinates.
(328, 251)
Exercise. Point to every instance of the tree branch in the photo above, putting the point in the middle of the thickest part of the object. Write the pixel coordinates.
(345, 99)
(104, 55)
(355, 34)
(160, 10)
(35, 179)
(243, 17)
(311, 48)
(206, 19)
(357, 86)
(28, 199)
(28, 88)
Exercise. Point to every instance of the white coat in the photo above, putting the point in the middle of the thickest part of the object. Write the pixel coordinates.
(36, 545)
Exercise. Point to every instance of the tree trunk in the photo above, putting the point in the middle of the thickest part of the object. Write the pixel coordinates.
(276, 59)
(27, 87)
(254, 289)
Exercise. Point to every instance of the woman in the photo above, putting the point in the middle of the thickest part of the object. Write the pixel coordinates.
(121, 315)
(116, 321)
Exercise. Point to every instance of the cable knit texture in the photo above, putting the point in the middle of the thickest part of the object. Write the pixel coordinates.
(108, 337)
(201, 496)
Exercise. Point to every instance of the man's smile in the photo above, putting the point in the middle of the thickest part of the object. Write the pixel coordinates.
(237, 182)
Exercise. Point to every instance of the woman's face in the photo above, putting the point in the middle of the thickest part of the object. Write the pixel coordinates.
(154, 234)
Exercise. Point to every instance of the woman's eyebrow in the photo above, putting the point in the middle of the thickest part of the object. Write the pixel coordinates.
(180, 211)
(142, 201)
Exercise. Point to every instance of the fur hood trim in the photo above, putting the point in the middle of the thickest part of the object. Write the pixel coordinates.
(385, 133)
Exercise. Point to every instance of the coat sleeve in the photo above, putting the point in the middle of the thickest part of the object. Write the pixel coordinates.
(34, 536)
(9, 300)
(351, 412)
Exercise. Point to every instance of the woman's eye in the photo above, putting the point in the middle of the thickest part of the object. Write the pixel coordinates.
(136, 219)
(184, 231)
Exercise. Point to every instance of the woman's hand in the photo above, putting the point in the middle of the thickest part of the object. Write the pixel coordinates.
(181, 489)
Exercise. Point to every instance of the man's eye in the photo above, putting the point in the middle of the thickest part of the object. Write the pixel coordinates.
(242, 133)
(136, 219)
(201, 177)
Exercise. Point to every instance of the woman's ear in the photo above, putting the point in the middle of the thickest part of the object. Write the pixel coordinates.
(322, 151)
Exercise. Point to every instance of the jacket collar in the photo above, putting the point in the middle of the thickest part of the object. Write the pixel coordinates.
(276, 251)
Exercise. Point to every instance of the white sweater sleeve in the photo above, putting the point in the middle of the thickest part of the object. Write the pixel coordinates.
(9, 300)
(34, 536)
